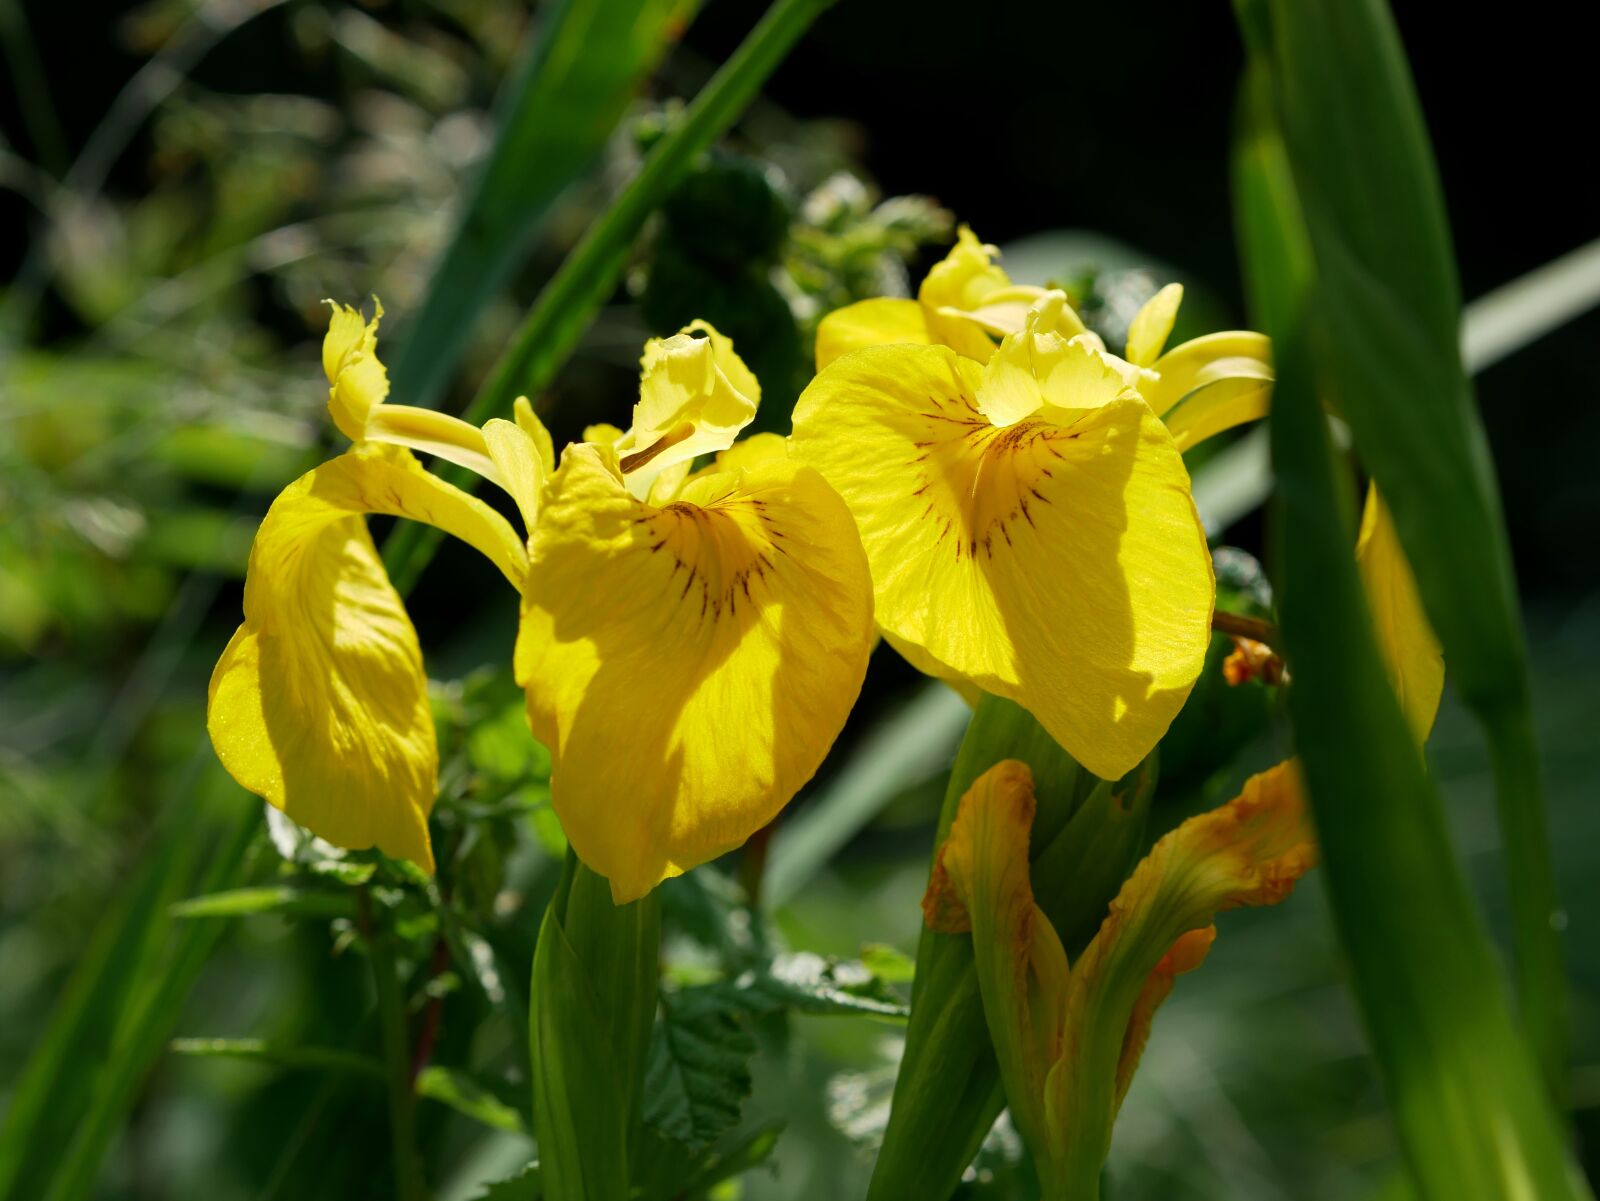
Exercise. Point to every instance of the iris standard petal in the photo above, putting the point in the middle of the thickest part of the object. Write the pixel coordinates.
(1060, 564)
(688, 665)
(357, 381)
(1152, 326)
(882, 322)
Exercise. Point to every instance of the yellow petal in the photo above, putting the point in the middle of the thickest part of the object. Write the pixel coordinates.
(519, 460)
(695, 395)
(602, 433)
(1216, 406)
(866, 323)
(1185, 367)
(1039, 370)
(1410, 649)
(980, 884)
(962, 282)
(528, 421)
(319, 703)
(687, 665)
(357, 381)
(1152, 325)
(434, 433)
(1059, 564)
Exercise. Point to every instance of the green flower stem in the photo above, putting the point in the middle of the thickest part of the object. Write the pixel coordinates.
(408, 1182)
(590, 273)
(594, 1001)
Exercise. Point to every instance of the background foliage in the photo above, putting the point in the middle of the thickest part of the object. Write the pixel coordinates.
(194, 179)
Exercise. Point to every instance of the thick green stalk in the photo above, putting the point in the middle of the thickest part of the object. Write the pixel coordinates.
(594, 1000)
(590, 273)
(408, 1182)
(1086, 833)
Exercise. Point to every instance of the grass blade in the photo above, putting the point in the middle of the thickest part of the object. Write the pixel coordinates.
(1385, 319)
(590, 273)
(586, 61)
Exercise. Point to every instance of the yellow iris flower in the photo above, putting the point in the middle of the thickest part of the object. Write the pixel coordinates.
(690, 644)
(1068, 1036)
(1024, 503)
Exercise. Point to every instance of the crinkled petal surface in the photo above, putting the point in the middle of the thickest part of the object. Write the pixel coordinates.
(1059, 563)
(882, 322)
(688, 665)
(319, 703)
(1410, 648)
(695, 395)
(357, 381)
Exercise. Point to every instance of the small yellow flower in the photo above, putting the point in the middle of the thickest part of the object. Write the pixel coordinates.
(1069, 1036)
(690, 645)
(1029, 526)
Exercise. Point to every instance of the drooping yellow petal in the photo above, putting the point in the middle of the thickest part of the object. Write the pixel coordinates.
(1193, 363)
(882, 322)
(319, 703)
(980, 884)
(688, 665)
(357, 381)
(1410, 649)
(1060, 564)
(1152, 326)
(695, 395)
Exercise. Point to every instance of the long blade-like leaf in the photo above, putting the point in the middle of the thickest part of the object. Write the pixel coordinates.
(585, 63)
(590, 273)
(1472, 1116)
(1386, 320)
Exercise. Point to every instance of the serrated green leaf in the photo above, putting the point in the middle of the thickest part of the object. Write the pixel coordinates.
(809, 983)
(467, 1096)
(699, 1070)
(889, 964)
(526, 1185)
(286, 900)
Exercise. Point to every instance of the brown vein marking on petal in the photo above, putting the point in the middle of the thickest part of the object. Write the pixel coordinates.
(728, 548)
(978, 482)
(677, 434)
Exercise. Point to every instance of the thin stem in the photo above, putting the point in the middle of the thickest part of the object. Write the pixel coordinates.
(396, 1057)
(590, 273)
(1245, 627)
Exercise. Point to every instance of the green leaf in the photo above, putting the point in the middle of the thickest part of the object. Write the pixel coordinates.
(1471, 1115)
(699, 1071)
(751, 1151)
(526, 1185)
(889, 964)
(585, 63)
(591, 272)
(594, 995)
(286, 900)
(1384, 322)
(466, 1096)
(808, 983)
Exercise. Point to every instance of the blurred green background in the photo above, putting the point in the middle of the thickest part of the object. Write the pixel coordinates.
(182, 183)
